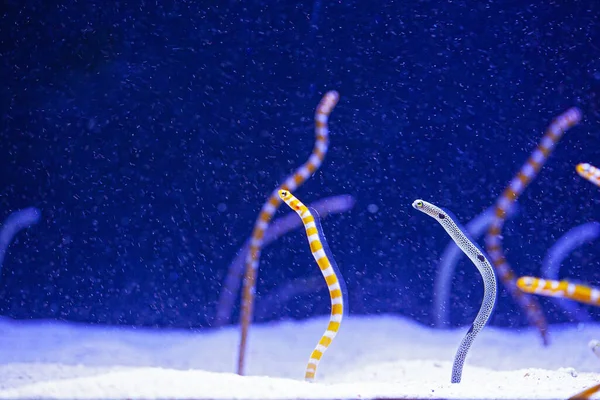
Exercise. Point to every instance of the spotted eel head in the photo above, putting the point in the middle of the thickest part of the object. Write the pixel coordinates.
(428, 208)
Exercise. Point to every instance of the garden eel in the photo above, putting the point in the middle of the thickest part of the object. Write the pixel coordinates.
(279, 227)
(561, 249)
(475, 253)
(16, 221)
(561, 289)
(331, 273)
(592, 174)
(594, 345)
(315, 160)
(442, 284)
(566, 290)
(589, 172)
(493, 239)
(587, 393)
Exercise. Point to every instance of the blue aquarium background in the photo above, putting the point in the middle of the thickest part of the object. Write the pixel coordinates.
(150, 134)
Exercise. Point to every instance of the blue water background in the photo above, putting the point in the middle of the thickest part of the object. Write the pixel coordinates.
(149, 135)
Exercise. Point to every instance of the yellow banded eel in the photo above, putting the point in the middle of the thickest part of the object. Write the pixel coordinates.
(493, 239)
(331, 273)
(589, 172)
(476, 255)
(567, 290)
(561, 289)
(315, 160)
(279, 227)
(560, 250)
(587, 393)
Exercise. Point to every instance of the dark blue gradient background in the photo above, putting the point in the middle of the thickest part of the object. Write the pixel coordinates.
(150, 135)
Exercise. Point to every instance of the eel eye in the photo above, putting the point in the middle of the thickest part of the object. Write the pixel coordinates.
(419, 204)
(284, 193)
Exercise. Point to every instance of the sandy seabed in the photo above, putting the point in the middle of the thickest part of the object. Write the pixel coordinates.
(373, 356)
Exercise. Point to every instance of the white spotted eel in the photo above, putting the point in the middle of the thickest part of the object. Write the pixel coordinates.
(476, 255)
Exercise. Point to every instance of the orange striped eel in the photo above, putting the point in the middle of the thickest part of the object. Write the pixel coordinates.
(586, 394)
(592, 174)
(331, 273)
(561, 289)
(315, 160)
(566, 290)
(589, 172)
(279, 227)
(493, 239)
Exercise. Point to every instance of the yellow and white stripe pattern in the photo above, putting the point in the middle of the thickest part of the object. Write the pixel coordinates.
(493, 239)
(315, 160)
(589, 172)
(331, 275)
(279, 227)
(562, 289)
(592, 174)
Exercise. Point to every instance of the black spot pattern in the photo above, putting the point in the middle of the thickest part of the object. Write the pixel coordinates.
(489, 283)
